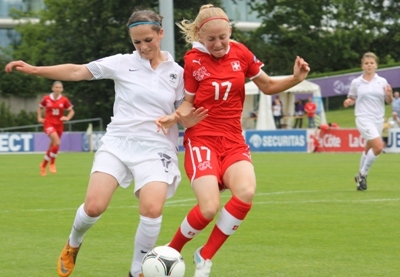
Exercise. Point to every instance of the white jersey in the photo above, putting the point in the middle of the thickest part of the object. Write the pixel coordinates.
(370, 97)
(141, 94)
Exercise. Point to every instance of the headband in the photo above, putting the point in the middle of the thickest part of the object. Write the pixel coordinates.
(143, 22)
(212, 18)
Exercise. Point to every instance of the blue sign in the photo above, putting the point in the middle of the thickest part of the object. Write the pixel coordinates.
(16, 142)
(94, 144)
(277, 140)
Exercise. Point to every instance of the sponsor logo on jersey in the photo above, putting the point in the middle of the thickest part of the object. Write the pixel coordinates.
(197, 61)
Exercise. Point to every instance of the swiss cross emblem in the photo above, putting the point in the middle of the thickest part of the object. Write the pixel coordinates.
(236, 66)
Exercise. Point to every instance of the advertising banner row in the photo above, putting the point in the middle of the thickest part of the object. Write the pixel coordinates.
(304, 140)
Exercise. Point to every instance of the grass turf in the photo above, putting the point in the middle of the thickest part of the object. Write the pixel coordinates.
(307, 219)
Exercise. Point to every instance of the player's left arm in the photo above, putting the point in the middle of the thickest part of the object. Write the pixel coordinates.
(271, 86)
(68, 117)
(388, 94)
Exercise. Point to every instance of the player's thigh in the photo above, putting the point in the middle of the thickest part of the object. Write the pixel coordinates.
(240, 179)
(99, 193)
(152, 197)
(369, 129)
(201, 159)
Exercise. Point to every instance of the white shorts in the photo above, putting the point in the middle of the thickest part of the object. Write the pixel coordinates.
(127, 159)
(368, 128)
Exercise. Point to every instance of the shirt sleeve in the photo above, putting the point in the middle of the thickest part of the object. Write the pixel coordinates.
(353, 89)
(191, 84)
(254, 64)
(104, 68)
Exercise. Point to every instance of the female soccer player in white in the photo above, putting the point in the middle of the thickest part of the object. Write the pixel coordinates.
(216, 154)
(368, 93)
(148, 84)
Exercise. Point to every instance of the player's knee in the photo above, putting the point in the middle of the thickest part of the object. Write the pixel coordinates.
(151, 210)
(93, 209)
(210, 209)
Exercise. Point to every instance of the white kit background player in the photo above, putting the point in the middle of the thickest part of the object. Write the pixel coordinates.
(368, 93)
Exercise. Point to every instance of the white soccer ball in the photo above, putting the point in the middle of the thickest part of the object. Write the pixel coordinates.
(163, 261)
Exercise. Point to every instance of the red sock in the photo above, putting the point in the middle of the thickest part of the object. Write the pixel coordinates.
(53, 153)
(46, 158)
(192, 224)
(229, 220)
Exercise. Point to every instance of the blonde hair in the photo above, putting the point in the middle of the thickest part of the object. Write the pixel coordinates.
(369, 55)
(190, 30)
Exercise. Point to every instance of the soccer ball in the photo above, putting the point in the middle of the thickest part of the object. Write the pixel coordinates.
(163, 261)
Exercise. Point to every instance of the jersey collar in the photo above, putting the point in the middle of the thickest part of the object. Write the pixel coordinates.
(53, 98)
(199, 46)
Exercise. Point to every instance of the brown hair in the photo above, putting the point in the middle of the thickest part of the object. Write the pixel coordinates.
(150, 16)
(190, 30)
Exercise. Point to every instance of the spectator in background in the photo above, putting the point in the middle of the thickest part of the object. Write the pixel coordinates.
(298, 113)
(310, 107)
(277, 112)
(394, 121)
(54, 106)
(396, 103)
(368, 93)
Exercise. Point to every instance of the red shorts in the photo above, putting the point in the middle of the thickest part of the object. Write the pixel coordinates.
(208, 155)
(49, 128)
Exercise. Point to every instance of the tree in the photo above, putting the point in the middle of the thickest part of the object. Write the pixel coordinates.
(330, 34)
(78, 32)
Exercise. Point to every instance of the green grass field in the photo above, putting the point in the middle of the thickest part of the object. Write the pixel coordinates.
(307, 220)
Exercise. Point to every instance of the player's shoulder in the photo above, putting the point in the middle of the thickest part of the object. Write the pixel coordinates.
(356, 80)
(380, 78)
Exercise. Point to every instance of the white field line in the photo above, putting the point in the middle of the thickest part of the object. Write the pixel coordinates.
(191, 201)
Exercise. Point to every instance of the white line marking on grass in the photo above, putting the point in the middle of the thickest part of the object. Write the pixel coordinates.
(328, 201)
(191, 201)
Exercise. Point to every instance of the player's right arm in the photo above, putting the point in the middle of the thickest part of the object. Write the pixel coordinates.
(39, 115)
(349, 102)
(185, 114)
(62, 72)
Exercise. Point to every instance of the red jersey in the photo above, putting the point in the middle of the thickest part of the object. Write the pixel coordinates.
(55, 108)
(310, 108)
(218, 85)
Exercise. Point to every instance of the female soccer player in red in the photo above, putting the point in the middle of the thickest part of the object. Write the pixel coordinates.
(54, 105)
(216, 154)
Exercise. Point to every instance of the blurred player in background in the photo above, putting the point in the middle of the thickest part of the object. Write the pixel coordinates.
(216, 154)
(131, 149)
(53, 106)
(368, 93)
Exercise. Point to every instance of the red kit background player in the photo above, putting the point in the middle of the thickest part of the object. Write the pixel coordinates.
(54, 105)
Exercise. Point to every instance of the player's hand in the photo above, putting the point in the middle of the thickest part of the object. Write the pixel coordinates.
(166, 121)
(388, 90)
(40, 120)
(19, 66)
(348, 102)
(300, 69)
(193, 117)
(64, 118)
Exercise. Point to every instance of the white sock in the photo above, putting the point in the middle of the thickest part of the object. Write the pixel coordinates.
(369, 160)
(362, 160)
(82, 223)
(145, 240)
